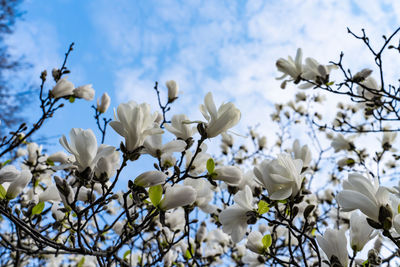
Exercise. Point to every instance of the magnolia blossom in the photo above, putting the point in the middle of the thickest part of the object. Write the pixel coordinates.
(50, 194)
(360, 231)
(199, 163)
(290, 67)
(204, 194)
(234, 219)
(282, 177)
(334, 244)
(150, 178)
(153, 146)
(85, 91)
(62, 88)
(135, 123)
(254, 242)
(172, 90)
(368, 88)
(301, 152)
(177, 196)
(108, 161)
(103, 103)
(83, 145)
(18, 184)
(180, 127)
(8, 174)
(364, 194)
(340, 143)
(229, 174)
(316, 72)
(218, 121)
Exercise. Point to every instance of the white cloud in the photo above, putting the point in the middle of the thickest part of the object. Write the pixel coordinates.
(231, 49)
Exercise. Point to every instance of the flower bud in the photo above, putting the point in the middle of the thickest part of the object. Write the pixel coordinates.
(85, 91)
(172, 90)
(150, 178)
(56, 74)
(104, 103)
(228, 174)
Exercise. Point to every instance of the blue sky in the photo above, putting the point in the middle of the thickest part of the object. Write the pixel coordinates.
(227, 47)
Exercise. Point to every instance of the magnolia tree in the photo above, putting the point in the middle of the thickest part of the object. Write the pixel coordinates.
(329, 199)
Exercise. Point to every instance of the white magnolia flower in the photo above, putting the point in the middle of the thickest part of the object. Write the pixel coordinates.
(396, 223)
(177, 196)
(60, 157)
(85, 91)
(56, 213)
(282, 177)
(360, 231)
(339, 142)
(135, 123)
(50, 194)
(180, 127)
(362, 75)
(18, 184)
(229, 174)
(172, 90)
(8, 174)
(103, 103)
(62, 88)
(252, 259)
(199, 162)
(83, 145)
(150, 178)
(108, 161)
(316, 72)
(301, 152)
(254, 242)
(368, 89)
(218, 121)
(204, 194)
(34, 151)
(234, 219)
(154, 147)
(290, 67)
(361, 193)
(334, 243)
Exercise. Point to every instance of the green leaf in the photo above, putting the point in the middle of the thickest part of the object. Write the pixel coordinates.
(6, 162)
(3, 192)
(71, 99)
(187, 253)
(81, 262)
(50, 162)
(267, 241)
(263, 207)
(313, 231)
(365, 263)
(38, 208)
(284, 201)
(155, 194)
(126, 254)
(330, 83)
(210, 165)
(398, 208)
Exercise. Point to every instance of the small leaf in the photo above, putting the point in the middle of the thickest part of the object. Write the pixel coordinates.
(267, 241)
(38, 208)
(81, 262)
(126, 254)
(398, 208)
(6, 162)
(283, 201)
(313, 231)
(188, 255)
(3, 192)
(330, 83)
(155, 194)
(50, 162)
(71, 99)
(210, 165)
(263, 207)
